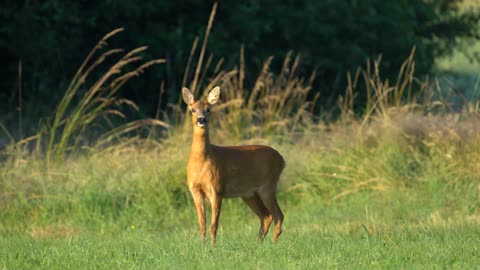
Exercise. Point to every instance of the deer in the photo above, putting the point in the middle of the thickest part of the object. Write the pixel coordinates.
(216, 172)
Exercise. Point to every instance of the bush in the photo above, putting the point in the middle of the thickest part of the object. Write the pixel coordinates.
(51, 38)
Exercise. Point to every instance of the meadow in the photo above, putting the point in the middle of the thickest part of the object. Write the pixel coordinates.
(394, 186)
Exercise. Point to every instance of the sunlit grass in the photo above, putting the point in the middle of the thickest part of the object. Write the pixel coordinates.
(346, 245)
(395, 185)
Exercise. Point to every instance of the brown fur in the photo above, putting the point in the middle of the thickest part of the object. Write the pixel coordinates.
(214, 172)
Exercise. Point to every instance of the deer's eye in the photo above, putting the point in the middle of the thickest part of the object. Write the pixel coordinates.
(207, 110)
(193, 110)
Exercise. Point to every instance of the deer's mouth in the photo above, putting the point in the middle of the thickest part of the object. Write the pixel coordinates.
(201, 122)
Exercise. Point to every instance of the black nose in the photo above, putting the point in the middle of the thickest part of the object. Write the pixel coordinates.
(202, 121)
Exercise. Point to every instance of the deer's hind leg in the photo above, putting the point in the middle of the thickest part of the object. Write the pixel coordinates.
(259, 208)
(269, 197)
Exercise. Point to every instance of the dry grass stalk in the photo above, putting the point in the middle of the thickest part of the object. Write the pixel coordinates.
(204, 47)
(70, 120)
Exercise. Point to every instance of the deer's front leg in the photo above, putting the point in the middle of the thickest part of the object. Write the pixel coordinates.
(216, 203)
(198, 200)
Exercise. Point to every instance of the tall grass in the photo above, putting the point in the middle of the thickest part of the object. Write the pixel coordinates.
(398, 142)
(398, 172)
(87, 99)
(406, 133)
(407, 153)
(275, 107)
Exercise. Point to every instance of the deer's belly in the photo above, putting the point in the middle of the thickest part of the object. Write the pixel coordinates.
(239, 188)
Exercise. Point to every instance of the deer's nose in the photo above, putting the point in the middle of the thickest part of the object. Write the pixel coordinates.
(201, 121)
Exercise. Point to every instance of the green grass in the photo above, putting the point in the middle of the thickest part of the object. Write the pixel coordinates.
(395, 187)
(129, 208)
(357, 233)
(453, 248)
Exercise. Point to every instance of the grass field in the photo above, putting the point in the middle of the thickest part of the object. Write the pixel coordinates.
(429, 224)
(397, 186)
(453, 247)
(348, 204)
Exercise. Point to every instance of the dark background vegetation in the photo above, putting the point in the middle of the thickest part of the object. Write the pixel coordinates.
(52, 37)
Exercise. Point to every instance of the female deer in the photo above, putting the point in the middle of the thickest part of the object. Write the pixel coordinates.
(251, 172)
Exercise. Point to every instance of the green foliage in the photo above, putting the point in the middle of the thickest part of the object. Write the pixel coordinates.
(51, 37)
(396, 187)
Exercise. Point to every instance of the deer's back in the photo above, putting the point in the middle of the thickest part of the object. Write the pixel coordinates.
(250, 156)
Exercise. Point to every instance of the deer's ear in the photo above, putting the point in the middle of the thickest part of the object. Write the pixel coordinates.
(187, 96)
(214, 95)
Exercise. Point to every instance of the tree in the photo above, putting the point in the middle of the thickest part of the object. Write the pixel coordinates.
(52, 37)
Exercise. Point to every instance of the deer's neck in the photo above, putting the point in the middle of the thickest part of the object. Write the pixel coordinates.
(201, 143)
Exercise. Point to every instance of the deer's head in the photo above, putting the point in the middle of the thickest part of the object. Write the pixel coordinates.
(200, 108)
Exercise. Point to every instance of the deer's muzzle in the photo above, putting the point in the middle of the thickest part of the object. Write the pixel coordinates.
(201, 122)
